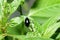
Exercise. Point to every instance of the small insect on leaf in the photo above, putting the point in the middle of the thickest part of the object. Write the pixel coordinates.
(27, 22)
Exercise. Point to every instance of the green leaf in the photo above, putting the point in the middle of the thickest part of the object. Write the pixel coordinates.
(48, 23)
(14, 24)
(0, 10)
(1, 36)
(44, 3)
(33, 34)
(15, 21)
(39, 19)
(23, 37)
(46, 8)
(37, 27)
(17, 26)
(14, 5)
(51, 30)
(2, 5)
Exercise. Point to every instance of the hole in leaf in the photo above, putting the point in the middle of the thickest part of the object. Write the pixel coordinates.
(58, 20)
(8, 38)
(16, 38)
(56, 33)
(36, 3)
(9, 1)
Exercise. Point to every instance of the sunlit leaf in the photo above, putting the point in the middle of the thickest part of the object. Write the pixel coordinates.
(51, 30)
(48, 23)
(23, 37)
(2, 5)
(46, 8)
(15, 21)
(14, 5)
(14, 24)
(1, 36)
(40, 20)
(17, 26)
(37, 27)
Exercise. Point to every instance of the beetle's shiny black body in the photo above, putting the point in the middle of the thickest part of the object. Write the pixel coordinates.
(27, 22)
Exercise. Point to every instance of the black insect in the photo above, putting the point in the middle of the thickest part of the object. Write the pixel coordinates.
(27, 22)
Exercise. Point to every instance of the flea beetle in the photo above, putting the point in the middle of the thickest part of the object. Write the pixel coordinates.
(27, 22)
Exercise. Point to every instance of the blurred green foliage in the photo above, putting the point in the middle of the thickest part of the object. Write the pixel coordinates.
(43, 17)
